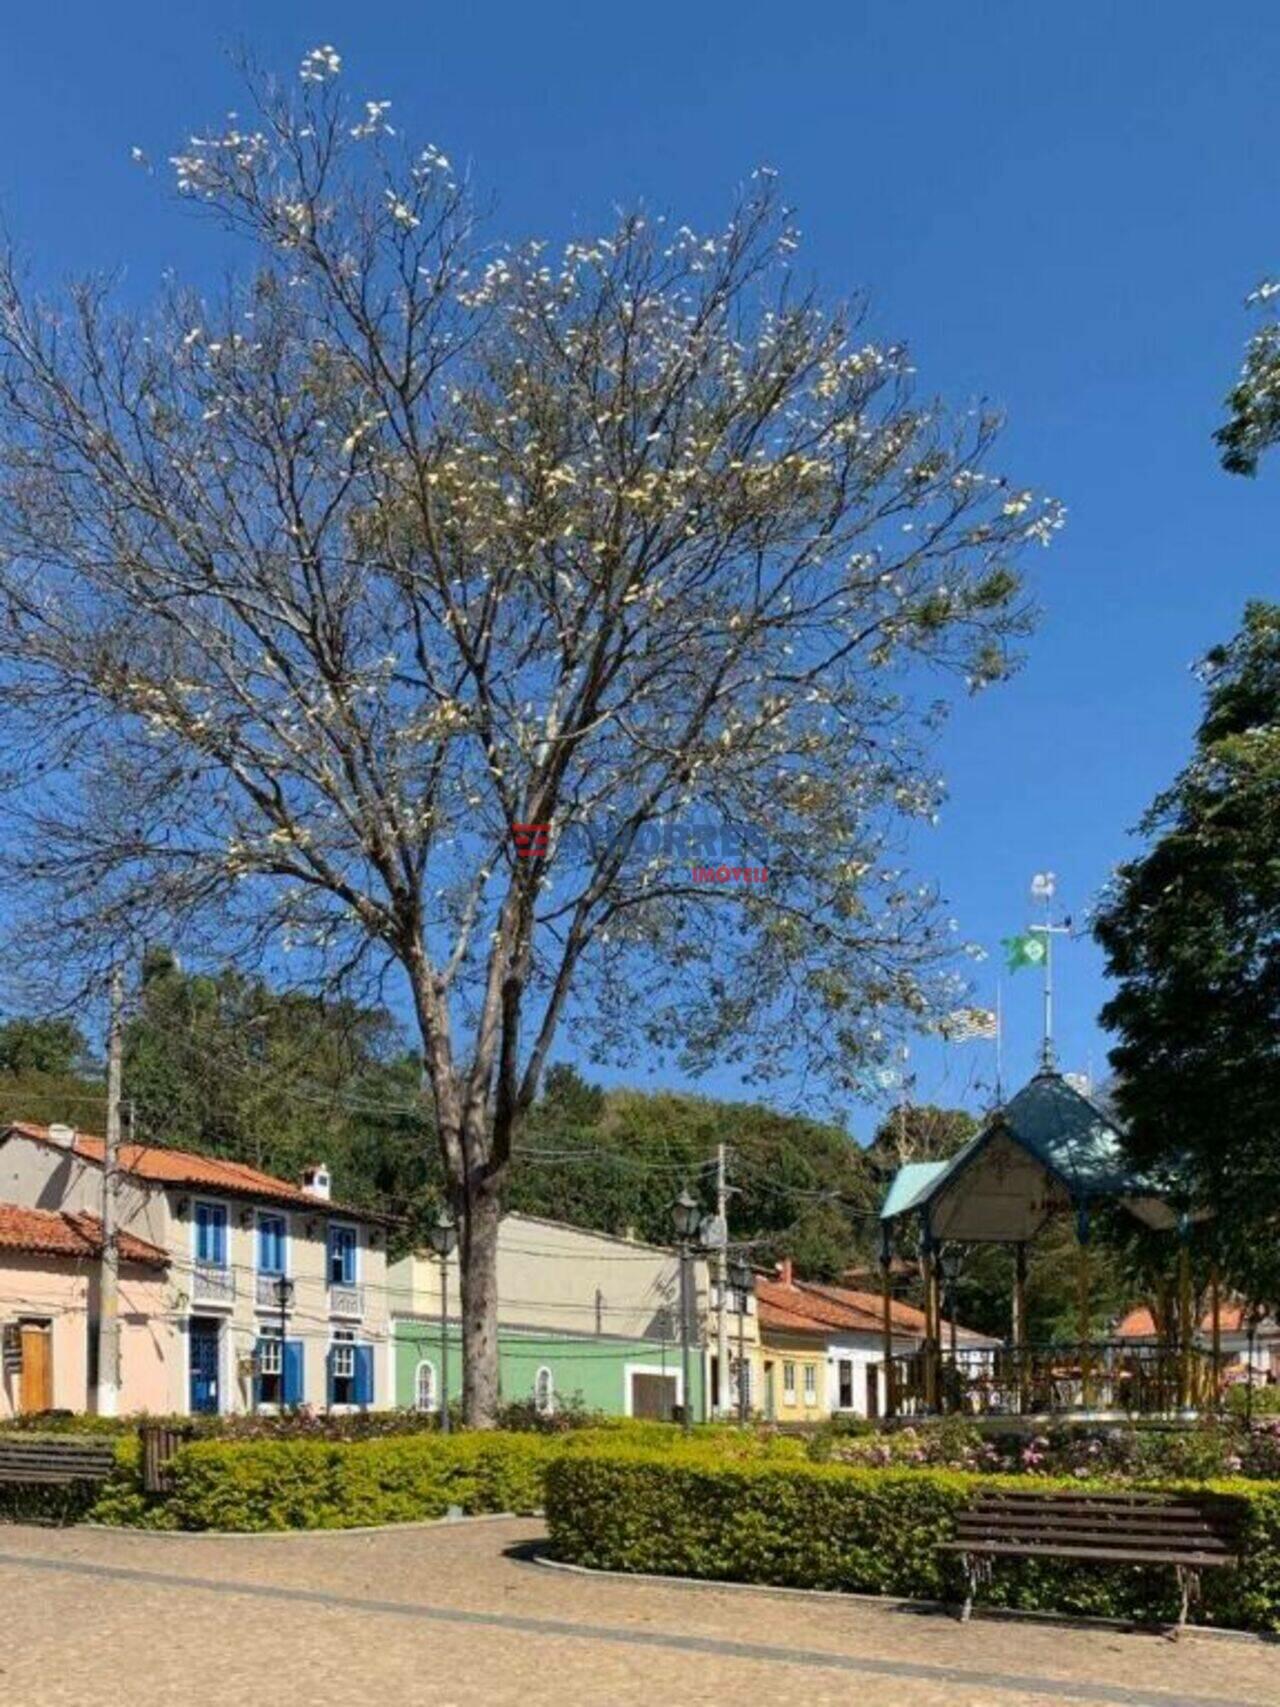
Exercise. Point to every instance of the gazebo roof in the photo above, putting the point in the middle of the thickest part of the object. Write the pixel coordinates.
(1065, 1134)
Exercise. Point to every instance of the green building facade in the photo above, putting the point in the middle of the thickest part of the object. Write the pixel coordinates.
(616, 1376)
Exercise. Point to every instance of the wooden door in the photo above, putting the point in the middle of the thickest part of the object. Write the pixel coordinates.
(37, 1367)
(653, 1397)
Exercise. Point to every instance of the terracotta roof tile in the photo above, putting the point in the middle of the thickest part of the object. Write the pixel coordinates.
(160, 1165)
(828, 1308)
(61, 1233)
(1139, 1324)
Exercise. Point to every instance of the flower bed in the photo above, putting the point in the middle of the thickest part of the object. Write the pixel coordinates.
(867, 1530)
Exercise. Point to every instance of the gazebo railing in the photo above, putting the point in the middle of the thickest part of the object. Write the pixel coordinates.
(1059, 1380)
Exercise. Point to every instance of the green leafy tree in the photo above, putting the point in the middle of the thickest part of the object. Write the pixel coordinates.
(1253, 403)
(41, 1046)
(225, 1065)
(1191, 931)
(616, 1159)
(46, 1075)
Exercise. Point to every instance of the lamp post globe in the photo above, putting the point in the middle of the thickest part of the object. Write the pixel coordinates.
(443, 1233)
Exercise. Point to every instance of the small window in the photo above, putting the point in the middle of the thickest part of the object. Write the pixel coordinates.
(810, 1384)
(269, 1371)
(544, 1392)
(844, 1371)
(425, 1397)
(342, 1370)
(788, 1383)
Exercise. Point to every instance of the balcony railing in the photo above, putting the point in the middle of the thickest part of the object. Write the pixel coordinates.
(212, 1284)
(1056, 1380)
(267, 1292)
(345, 1300)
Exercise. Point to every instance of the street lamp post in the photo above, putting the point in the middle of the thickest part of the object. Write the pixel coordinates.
(740, 1279)
(443, 1236)
(284, 1297)
(686, 1216)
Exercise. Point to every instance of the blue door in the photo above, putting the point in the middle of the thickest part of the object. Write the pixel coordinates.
(204, 1365)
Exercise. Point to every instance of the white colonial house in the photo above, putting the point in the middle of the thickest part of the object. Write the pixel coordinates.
(275, 1293)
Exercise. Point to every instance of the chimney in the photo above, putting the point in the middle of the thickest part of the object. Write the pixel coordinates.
(63, 1136)
(784, 1272)
(315, 1181)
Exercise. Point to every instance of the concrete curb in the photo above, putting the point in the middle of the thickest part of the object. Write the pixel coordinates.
(990, 1614)
(450, 1522)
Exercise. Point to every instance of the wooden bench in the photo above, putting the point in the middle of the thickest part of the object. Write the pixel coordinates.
(1192, 1533)
(56, 1461)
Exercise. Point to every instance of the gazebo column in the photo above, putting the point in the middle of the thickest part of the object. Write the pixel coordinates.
(1084, 1314)
(1019, 1325)
(929, 1264)
(886, 1281)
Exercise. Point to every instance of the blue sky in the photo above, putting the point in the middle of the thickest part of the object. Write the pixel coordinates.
(1061, 208)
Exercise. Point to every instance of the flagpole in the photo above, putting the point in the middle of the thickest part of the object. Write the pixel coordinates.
(1046, 1052)
(999, 1045)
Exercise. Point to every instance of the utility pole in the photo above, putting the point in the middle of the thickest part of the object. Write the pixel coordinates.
(109, 1290)
(722, 1281)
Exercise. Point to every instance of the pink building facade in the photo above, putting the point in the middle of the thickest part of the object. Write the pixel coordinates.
(49, 1284)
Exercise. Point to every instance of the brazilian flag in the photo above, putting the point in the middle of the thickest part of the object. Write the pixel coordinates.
(1020, 951)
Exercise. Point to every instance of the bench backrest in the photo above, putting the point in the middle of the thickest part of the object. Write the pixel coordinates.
(42, 1458)
(1103, 1523)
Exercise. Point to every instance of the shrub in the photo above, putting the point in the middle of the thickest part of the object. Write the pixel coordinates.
(861, 1530)
(318, 1484)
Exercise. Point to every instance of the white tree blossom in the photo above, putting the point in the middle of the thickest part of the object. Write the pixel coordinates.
(310, 592)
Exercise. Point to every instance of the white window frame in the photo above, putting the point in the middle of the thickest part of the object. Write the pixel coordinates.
(788, 1382)
(810, 1379)
(426, 1363)
(630, 1369)
(544, 1407)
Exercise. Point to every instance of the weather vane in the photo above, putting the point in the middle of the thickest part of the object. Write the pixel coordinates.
(1035, 948)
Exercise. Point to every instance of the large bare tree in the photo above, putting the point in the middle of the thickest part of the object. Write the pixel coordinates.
(312, 589)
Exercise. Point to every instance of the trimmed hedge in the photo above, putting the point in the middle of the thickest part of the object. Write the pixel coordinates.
(868, 1531)
(311, 1484)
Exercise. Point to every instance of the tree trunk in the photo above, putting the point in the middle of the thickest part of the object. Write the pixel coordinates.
(478, 1264)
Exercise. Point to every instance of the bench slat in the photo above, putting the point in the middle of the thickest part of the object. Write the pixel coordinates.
(1051, 1544)
(1132, 1556)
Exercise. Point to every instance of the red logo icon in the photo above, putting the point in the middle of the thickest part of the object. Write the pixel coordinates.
(530, 840)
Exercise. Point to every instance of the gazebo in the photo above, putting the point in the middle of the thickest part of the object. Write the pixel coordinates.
(1050, 1151)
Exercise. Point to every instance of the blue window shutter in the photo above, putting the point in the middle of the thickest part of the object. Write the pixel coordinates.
(364, 1375)
(257, 1371)
(293, 1372)
(202, 1232)
(328, 1376)
(216, 1235)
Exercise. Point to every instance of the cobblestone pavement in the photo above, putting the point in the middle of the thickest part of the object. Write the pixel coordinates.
(453, 1616)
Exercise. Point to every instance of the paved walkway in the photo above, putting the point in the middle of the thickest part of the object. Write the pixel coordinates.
(452, 1617)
